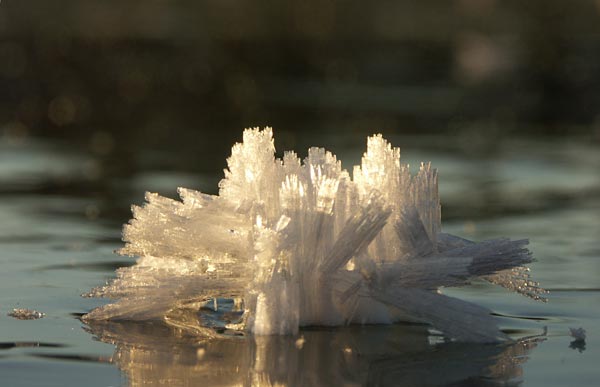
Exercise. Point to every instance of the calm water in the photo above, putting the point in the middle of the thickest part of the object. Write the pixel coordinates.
(61, 212)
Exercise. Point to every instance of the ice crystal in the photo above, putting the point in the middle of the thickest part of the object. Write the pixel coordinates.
(302, 243)
(578, 334)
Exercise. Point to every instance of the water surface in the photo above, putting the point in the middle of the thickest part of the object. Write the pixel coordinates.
(61, 212)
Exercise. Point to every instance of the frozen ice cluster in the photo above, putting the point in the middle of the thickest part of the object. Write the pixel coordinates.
(298, 243)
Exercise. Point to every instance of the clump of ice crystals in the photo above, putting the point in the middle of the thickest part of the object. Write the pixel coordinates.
(26, 314)
(302, 243)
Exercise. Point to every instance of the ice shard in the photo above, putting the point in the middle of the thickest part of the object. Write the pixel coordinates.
(300, 243)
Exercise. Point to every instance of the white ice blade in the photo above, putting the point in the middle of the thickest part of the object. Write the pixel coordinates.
(457, 319)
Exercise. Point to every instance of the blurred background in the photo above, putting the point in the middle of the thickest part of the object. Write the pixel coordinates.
(107, 99)
(163, 86)
(164, 70)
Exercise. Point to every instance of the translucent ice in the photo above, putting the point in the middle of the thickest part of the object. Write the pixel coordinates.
(302, 243)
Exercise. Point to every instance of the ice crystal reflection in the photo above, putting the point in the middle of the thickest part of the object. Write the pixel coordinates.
(398, 355)
(302, 243)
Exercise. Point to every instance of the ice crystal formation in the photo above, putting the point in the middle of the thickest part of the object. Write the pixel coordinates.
(26, 314)
(303, 243)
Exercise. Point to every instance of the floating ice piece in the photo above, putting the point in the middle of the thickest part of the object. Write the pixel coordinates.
(26, 314)
(302, 243)
(578, 334)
